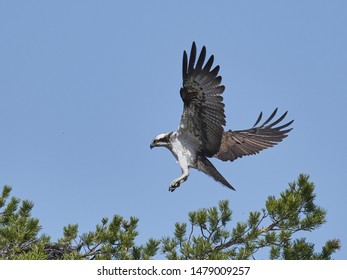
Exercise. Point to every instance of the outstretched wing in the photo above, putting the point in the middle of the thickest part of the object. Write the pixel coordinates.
(239, 143)
(203, 114)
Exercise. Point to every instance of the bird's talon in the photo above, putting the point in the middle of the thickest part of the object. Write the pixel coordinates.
(174, 186)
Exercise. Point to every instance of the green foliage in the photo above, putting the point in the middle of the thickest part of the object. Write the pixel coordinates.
(18, 230)
(273, 228)
(110, 240)
(208, 235)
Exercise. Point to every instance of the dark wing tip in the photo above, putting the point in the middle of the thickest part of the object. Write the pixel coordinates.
(192, 58)
(209, 64)
(271, 117)
(184, 65)
(259, 119)
(201, 59)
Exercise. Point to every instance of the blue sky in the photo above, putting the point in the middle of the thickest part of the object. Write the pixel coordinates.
(86, 85)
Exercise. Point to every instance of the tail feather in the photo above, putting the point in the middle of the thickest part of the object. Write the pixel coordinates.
(204, 165)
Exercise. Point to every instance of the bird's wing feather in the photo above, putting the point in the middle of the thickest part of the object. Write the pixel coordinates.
(203, 114)
(239, 143)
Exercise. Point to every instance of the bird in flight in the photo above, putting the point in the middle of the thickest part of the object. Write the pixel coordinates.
(201, 135)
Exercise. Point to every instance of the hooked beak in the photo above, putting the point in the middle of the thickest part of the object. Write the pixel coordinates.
(152, 146)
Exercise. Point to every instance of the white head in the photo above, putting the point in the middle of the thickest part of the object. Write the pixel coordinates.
(162, 140)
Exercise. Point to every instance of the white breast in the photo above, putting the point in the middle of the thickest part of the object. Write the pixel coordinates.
(184, 149)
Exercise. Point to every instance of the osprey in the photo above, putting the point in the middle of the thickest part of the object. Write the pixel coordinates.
(200, 134)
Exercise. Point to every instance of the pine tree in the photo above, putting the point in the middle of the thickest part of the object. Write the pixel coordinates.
(271, 228)
(208, 235)
(18, 230)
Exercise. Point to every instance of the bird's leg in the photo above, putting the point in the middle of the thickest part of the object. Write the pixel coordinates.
(180, 180)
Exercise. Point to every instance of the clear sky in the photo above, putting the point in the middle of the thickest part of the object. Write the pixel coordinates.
(86, 85)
